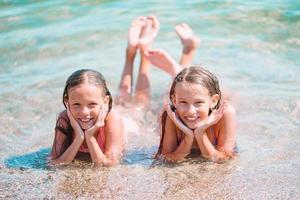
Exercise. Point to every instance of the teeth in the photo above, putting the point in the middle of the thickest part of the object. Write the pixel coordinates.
(191, 118)
(85, 120)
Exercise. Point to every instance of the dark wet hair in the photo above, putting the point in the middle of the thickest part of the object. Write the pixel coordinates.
(198, 75)
(82, 76)
(193, 75)
(92, 77)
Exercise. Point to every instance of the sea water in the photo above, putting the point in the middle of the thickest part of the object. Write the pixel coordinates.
(252, 46)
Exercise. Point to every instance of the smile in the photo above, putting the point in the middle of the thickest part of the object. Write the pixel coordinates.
(85, 120)
(192, 118)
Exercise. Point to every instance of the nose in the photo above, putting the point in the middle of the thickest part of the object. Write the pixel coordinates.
(191, 109)
(85, 111)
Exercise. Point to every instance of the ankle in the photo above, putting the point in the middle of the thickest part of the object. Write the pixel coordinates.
(187, 49)
(131, 50)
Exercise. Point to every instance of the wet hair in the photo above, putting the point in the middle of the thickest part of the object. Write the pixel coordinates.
(192, 75)
(82, 76)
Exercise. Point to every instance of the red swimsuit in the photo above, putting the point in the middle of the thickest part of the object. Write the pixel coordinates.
(100, 137)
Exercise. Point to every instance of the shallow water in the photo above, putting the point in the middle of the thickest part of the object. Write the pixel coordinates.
(253, 47)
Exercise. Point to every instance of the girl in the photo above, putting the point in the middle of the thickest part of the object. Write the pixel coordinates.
(197, 117)
(88, 125)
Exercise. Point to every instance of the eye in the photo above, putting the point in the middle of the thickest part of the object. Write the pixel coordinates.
(198, 103)
(76, 105)
(183, 102)
(93, 105)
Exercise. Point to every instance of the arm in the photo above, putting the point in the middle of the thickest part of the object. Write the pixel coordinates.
(171, 150)
(226, 138)
(113, 140)
(70, 153)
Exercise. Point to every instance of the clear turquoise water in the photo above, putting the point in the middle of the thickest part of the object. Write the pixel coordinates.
(253, 47)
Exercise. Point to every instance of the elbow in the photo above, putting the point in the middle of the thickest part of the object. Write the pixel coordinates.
(219, 157)
(171, 157)
(59, 162)
(108, 160)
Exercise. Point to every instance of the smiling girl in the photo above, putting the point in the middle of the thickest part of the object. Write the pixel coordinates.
(197, 116)
(88, 125)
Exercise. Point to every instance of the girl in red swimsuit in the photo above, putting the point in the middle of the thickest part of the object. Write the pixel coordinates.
(89, 124)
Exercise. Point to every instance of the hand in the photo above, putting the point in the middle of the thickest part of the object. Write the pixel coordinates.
(75, 125)
(174, 117)
(212, 119)
(99, 123)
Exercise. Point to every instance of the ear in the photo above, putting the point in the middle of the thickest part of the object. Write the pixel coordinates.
(106, 99)
(65, 102)
(173, 100)
(214, 100)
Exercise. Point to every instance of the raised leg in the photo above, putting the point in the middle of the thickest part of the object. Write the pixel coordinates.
(189, 43)
(126, 83)
(148, 34)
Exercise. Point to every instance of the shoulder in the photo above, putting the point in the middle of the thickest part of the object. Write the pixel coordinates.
(168, 124)
(62, 114)
(229, 116)
(114, 118)
(62, 119)
(114, 115)
(229, 111)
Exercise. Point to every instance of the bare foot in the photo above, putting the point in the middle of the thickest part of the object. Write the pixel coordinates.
(188, 40)
(135, 32)
(148, 33)
(163, 60)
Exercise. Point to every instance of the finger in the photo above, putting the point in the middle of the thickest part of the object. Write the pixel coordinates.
(169, 110)
(69, 112)
(166, 103)
(100, 117)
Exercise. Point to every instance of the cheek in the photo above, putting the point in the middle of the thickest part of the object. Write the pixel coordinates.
(203, 112)
(95, 111)
(180, 109)
(74, 110)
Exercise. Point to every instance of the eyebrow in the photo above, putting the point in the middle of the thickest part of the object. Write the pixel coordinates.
(188, 99)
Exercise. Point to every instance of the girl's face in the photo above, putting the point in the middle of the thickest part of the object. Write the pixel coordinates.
(85, 102)
(192, 102)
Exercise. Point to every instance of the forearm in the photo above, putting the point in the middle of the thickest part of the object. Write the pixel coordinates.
(209, 151)
(97, 155)
(182, 150)
(69, 155)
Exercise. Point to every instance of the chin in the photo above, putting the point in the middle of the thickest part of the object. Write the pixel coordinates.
(191, 125)
(86, 126)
